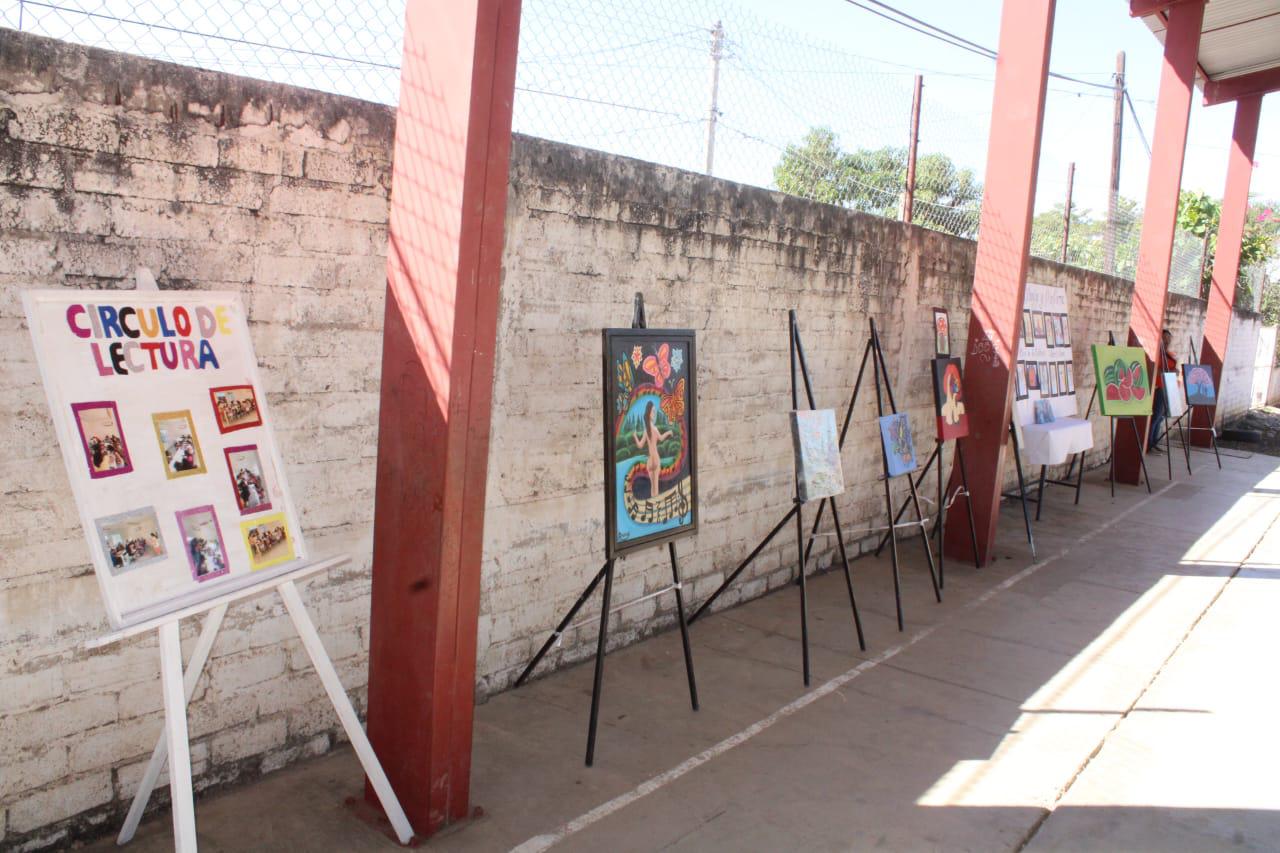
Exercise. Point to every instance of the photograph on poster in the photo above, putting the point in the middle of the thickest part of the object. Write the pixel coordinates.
(235, 407)
(1033, 376)
(817, 454)
(202, 540)
(650, 421)
(102, 438)
(1199, 382)
(179, 446)
(1020, 381)
(131, 540)
(1028, 334)
(1037, 321)
(948, 399)
(267, 540)
(941, 332)
(895, 438)
(247, 480)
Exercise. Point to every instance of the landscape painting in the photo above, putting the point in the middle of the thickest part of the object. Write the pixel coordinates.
(650, 425)
(895, 439)
(948, 399)
(1124, 388)
(817, 451)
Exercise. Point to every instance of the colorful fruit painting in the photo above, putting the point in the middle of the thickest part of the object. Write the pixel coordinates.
(1124, 388)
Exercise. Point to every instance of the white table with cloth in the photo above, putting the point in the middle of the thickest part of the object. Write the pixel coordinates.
(1053, 443)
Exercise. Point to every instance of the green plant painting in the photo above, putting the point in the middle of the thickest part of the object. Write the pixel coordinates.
(1124, 388)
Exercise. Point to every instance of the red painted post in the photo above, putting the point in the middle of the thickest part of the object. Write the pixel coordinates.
(448, 204)
(1160, 216)
(1004, 242)
(1226, 261)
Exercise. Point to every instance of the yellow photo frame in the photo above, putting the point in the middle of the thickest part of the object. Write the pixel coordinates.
(179, 445)
(267, 540)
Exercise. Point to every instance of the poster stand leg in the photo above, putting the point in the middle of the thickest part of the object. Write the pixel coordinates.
(968, 503)
(181, 799)
(199, 656)
(602, 640)
(174, 748)
(1022, 488)
(684, 625)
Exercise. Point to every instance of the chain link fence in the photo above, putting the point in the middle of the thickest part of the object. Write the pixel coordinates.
(697, 84)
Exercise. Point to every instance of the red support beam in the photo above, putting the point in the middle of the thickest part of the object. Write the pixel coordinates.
(1143, 8)
(448, 205)
(1000, 271)
(1226, 260)
(1243, 86)
(1160, 216)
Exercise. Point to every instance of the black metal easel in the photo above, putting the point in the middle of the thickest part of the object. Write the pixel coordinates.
(797, 510)
(872, 349)
(1211, 429)
(1111, 437)
(606, 574)
(1021, 493)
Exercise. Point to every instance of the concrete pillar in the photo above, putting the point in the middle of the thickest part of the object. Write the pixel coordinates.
(1004, 243)
(448, 205)
(1160, 215)
(1226, 260)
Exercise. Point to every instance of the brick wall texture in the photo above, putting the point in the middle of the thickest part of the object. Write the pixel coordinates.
(109, 162)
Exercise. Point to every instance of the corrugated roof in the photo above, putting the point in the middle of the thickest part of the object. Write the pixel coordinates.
(1238, 37)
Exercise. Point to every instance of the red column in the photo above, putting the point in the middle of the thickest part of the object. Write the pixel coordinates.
(448, 203)
(1226, 260)
(1004, 241)
(1155, 251)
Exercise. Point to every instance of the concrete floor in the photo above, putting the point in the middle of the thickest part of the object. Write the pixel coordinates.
(1112, 695)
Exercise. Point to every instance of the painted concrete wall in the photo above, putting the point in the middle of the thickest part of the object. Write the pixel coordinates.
(108, 162)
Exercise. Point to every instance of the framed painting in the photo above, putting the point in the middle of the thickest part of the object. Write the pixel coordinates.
(1064, 330)
(1037, 323)
(1199, 383)
(1048, 380)
(948, 399)
(895, 441)
(1033, 376)
(1124, 388)
(1050, 330)
(941, 332)
(1020, 381)
(1062, 378)
(1028, 335)
(1071, 378)
(1175, 397)
(817, 450)
(650, 437)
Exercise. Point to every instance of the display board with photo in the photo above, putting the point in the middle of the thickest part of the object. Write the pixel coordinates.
(1044, 370)
(147, 391)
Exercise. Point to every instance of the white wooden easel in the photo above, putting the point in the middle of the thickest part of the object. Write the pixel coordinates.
(178, 688)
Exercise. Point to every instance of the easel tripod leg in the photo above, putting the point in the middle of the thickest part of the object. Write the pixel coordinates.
(804, 593)
(848, 577)
(733, 576)
(924, 540)
(942, 521)
(684, 626)
(968, 502)
(1040, 491)
(199, 656)
(1142, 457)
(346, 714)
(564, 623)
(602, 641)
(1022, 489)
(175, 726)
(906, 502)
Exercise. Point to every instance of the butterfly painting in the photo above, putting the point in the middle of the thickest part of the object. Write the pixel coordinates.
(650, 386)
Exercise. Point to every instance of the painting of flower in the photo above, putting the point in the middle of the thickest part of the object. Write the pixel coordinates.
(1199, 382)
(895, 439)
(1122, 379)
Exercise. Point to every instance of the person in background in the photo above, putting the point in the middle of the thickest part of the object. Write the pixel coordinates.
(1160, 403)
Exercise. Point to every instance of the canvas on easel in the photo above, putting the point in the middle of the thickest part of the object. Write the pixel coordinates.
(131, 380)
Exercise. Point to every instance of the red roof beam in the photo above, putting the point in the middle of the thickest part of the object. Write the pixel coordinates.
(1241, 86)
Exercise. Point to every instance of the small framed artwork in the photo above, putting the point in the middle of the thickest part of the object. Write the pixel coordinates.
(267, 540)
(1198, 379)
(131, 540)
(948, 399)
(105, 450)
(202, 540)
(1028, 335)
(1062, 377)
(1050, 374)
(235, 407)
(895, 440)
(817, 454)
(179, 446)
(1020, 381)
(1037, 324)
(1071, 378)
(1033, 376)
(248, 481)
(1064, 330)
(941, 332)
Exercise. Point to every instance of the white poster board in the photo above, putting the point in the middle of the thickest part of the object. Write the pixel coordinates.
(1044, 369)
(167, 441)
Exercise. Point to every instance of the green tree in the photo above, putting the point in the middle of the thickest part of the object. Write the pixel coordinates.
(1200, 214)
(1087, 241)
(872, 181)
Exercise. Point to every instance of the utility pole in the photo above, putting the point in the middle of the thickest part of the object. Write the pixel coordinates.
(909, 196)
(1066, 212)
(1113, 196)
(717, 51)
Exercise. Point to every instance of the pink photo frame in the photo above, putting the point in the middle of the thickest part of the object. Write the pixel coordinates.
(221, 554)
(127, 466)
(244, 508)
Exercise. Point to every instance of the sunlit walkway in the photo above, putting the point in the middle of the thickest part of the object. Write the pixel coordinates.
(1118, 693)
